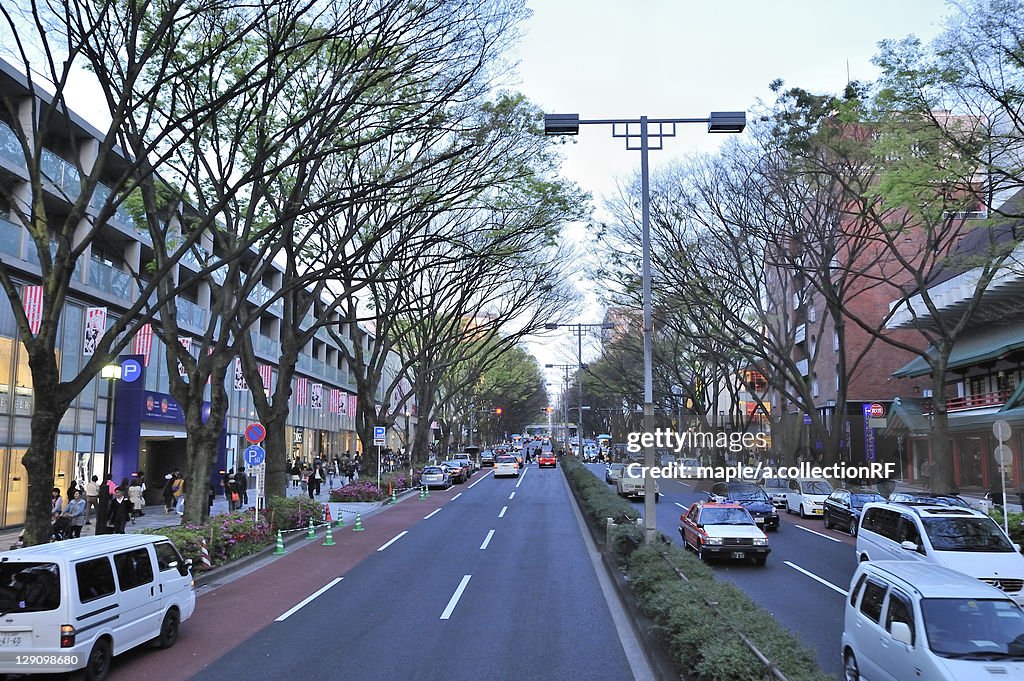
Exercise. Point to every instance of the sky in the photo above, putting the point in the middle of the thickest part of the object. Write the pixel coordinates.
(684, 59)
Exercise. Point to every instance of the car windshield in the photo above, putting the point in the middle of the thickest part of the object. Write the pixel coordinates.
(971, 628)
(29, 587)
(506, 459)
(816, 487)
(858, 500)
(966, 534)
(745, 494)
(776, 483)
(433, 470)
(725, 516)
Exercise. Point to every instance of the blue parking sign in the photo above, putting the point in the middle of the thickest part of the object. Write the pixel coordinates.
(255, 455)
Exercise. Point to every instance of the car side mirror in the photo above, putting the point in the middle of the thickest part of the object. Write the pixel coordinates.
(911, 546)
(1016, 547)
(700, 525)
(901, 633)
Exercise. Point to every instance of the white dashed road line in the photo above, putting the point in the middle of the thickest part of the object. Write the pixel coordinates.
(394, 539)
(680, 505)
(503, 509)
(511, 496)
(521, 478)
(816, 578)
(823, 536)
(436, 510)
(475, 483)
(308, 599)
(455, 598)
(487, 540)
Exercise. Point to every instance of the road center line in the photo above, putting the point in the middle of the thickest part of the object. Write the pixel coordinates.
(431, 513)
(308, 599)
(816, 578)
(503, 509)
(521, 478)
(455, 598)
(458, 495)
(487, 540)
(510, 496)
(395, 538)
(824, 536)
(477, 482)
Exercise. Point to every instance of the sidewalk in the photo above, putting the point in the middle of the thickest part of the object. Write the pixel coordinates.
(156, 518)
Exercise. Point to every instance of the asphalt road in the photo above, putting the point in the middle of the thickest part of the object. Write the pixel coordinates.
(490, 580)
(792, 586)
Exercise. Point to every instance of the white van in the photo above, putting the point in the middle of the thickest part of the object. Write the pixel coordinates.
(807, 496)
(918, 621)
(960, 539)
(75, 604)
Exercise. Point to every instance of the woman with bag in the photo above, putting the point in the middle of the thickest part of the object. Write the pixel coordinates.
(135, 497)
(178, 491)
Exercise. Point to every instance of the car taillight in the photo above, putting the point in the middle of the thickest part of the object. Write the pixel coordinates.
(67, 636)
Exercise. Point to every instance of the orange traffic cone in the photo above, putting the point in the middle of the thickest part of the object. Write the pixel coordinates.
(327, 515)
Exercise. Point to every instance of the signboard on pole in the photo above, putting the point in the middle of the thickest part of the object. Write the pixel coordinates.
(255, 455)
(379, 436)
(255, 432)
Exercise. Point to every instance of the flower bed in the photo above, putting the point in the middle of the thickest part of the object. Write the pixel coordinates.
(359, 491)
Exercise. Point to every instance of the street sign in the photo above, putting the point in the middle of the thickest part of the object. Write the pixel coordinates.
(807, 419)
(1003, 455)
(254, 455)
(379, 436)
(877, 410)
(255, 432)
(1001, 429)
(261, 478)
(131, 370)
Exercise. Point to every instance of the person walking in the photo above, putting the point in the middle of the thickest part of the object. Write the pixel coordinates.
(316, 477)
(56, 503)
(92, 497)
(332, 470)
(178, 490)
(243, 487)
(295, 473)
(168, 493)
(76, 510)
(120, 511)
(135, 497)
(231, 492)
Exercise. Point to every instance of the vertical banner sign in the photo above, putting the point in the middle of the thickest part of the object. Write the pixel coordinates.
(32, 298)
(266, 375)
(187, 344)
(316, 396)
(301, 391)
(352, 405)
(335, 401)
(95, 323)
(144, 342)
(240, 383)
(342, 403)
(869, 435)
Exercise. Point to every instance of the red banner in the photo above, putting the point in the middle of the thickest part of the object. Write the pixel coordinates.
(144, 342)
(301, 391)
(32, 298)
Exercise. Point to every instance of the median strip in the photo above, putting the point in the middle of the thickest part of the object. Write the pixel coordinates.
(308, 599)
(455, 598)
(816, 578)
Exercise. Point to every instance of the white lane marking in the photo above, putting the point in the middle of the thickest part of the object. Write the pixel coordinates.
(394, 539)
(512, 496)
(521, 478)
(816, 578)
(455, 598)
(431, 513)
(680, 505)
(456, 496)
(824, 536)
(475, 483)
(308, 599)
(487, 540)
(503, 509)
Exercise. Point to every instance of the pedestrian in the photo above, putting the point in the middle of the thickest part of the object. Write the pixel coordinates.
(926, 474)
(76, 510)
(120, 511)
(304, 479)
(178, 490)
(168, 493)
(231, 492)
(243, 487)
(332, 470)
(108, 481)
(56, 504)
(295, 473)
(92, 497)
(143, 488)
(135, 497)
(316, 477)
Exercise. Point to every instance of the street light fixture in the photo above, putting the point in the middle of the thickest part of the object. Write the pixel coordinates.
(640, 140)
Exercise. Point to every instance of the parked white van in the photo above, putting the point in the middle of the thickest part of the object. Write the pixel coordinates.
(807, 496)
(75, 604)
(960, 539)
(918, 621)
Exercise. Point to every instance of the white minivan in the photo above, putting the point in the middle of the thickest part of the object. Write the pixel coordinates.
(807, 496)
(75, 604)
(918, 621)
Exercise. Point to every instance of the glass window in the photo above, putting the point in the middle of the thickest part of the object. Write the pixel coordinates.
(29, 587)
(95, 579)
(883, 521)
(966, 534)
(167, 557)
(871, 604)
(900, 610)
(856, 589)
(134, 568)
(986, 628)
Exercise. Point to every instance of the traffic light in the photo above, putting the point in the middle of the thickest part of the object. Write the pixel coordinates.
(550, 409)
(498, 411)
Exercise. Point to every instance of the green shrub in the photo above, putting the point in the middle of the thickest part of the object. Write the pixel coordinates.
(290, 513)
(626, 539)
(359, 491)
(1014, 520)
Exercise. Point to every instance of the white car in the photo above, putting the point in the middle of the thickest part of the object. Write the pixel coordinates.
(688, 468)
(807, 496)
(631, 484)
(506, 466)
(776, 489)
(918, 621)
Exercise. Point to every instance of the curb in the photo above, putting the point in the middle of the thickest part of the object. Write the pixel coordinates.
(644, 628)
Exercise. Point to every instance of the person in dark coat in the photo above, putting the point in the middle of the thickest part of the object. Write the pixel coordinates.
(168, 493)
(120, 511)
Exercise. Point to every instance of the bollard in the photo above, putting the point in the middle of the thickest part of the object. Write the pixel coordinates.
(311, 534)
(609, 524)
(423, 492)
(329, 539)
(394, 496)
(359, 524)
(426, 491)
(204, 555)
(279, 551)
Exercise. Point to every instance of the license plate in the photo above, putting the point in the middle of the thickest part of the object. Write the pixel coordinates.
(739, 554)
(14, 640)
(759, 520)
(819, 511)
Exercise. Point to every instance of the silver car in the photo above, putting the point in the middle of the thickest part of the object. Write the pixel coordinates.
(435, 476)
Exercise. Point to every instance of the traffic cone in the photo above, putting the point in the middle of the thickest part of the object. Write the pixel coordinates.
(359, 524)
(279, 551)
(204, 555)
(341, 517)
(423, 492)
(426, 491)
(327, 515)
(329, 539)
(311, 534)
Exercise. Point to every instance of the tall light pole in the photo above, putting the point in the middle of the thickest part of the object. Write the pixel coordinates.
(578, 330)
(565, 403)
(637, 131)
(111, 373)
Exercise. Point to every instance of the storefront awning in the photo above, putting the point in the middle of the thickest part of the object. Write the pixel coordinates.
(990, 344)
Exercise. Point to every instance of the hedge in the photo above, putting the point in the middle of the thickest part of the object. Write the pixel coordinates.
(698, 637)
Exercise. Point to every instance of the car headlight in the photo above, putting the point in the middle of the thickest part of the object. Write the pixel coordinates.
(760, 542)
(714, 541)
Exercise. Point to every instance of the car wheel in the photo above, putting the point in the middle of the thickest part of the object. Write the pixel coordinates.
(657, 497)
(802, 514)
(169, 629)
(97, 665)
(828, 523)
(788, 508)
(850, 670)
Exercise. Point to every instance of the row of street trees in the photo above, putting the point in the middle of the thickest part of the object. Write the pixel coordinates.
(832, 199)
(358, 145)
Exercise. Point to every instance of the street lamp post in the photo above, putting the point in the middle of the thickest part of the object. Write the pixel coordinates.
(111, 373)
(718, 121)
(578, 330)
(565, 402)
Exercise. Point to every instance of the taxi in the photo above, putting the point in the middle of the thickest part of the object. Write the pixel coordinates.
(723, 530)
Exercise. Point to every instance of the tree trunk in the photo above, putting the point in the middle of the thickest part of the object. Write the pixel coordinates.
(38, 460)
(941, 473)
(201, 448)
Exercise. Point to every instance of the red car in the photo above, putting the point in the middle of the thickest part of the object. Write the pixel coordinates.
(546, 459)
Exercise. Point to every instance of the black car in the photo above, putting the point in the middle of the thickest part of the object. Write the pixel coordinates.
(751, 497)
(456, 471)
(487, 459)
(843, 507)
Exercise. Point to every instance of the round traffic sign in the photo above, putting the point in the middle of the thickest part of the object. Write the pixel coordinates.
(255, 432)
(877, 410)
(1001, 429)
(1003, 455)
(254, 455)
